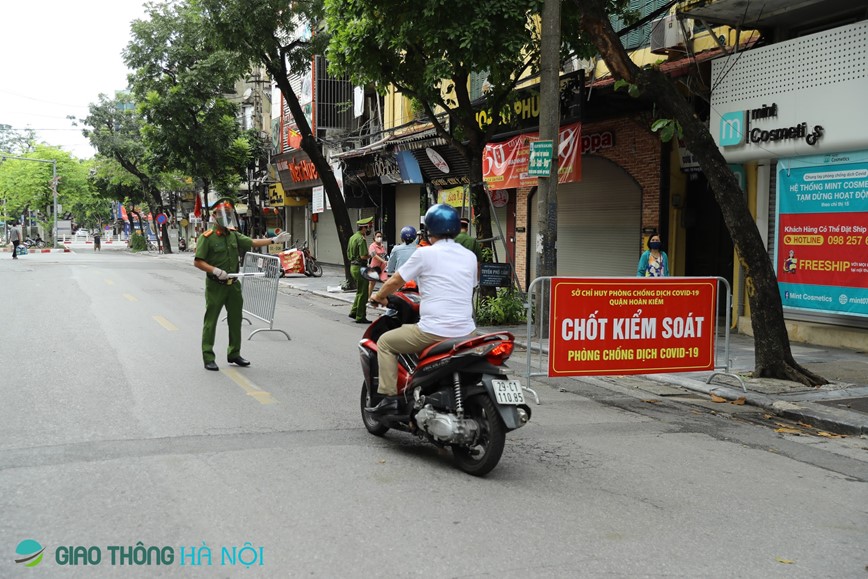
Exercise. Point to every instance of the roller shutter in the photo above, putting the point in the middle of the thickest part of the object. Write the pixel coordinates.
(599, 222)
(407, 210)
(328, 247)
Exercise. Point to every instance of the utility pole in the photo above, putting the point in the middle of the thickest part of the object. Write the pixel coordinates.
(549, 123)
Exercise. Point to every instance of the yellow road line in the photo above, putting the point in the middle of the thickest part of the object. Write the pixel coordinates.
(165, 323)
(109, 281)
(249, 387)
(131, 298)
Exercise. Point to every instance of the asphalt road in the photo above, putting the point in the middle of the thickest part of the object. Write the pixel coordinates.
(112, 433)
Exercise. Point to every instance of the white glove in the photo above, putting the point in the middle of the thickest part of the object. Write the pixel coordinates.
(281, 237)
(221, 275)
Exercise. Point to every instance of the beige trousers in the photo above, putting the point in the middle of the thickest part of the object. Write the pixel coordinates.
(407, 339)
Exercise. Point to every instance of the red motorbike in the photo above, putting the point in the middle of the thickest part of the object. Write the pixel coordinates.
(456, 392)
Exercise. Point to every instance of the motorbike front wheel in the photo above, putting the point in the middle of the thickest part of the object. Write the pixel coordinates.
(313, 267)
(371, 423)
(40, 244)
(484, 455)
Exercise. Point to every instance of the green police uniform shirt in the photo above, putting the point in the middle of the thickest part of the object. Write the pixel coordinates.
(357, 248)
(222, 250)
(470, 243)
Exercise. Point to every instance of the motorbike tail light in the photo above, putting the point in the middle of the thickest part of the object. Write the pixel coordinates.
(500, 353)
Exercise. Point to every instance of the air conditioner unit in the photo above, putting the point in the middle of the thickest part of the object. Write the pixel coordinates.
(668, 33)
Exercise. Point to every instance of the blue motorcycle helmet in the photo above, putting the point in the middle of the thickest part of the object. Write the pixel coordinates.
(442, 220)
(408, 234)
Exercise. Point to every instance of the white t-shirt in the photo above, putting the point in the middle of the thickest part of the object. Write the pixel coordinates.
(446, 274)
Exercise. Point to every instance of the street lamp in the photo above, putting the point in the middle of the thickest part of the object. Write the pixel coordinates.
(53, 183)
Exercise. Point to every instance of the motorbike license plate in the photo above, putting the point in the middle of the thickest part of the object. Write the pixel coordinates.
(508, 392)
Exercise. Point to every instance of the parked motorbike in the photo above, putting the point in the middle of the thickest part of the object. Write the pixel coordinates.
(311, 267)
(456, 392)
(37, 241)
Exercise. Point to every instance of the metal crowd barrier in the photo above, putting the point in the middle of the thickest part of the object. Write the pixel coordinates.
(260, 292)
(538, 313)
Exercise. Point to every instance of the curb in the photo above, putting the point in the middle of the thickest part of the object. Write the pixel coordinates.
(38, 250)
(833, 419)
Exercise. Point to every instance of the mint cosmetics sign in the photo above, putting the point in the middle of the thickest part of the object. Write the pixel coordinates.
(735, 128)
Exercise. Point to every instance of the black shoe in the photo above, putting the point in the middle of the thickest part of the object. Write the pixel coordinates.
(212, 365)
(239, 361)
(363, 321)
(388, 405)
(353, 316)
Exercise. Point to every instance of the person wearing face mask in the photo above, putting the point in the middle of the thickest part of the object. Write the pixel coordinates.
(653, 262)
(218, 252)
(378, 259)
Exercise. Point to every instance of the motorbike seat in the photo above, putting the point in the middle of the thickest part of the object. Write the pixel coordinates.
(441, 347)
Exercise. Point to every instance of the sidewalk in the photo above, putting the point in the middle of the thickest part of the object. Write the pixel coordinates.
(840, 406)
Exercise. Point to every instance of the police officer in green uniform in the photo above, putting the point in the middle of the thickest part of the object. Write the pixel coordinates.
(217, 254)
(357, 253)
(471, 243)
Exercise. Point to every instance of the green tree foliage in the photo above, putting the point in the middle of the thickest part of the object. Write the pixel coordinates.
(275, 34)
(180, 81)
(17, 142)
(123, 169)
(26, 186)
(429, 50)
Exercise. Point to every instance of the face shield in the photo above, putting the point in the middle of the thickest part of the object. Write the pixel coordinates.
(223, 214)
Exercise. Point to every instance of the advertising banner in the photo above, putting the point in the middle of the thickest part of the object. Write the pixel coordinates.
(505, 165)
(603, 326)
(454, 196)
(821, 254)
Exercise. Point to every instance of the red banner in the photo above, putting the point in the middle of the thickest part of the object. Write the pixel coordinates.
(504, 165)
(631, 325)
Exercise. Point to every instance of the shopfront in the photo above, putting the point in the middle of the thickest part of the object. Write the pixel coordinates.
(793, 114)
(608, 191)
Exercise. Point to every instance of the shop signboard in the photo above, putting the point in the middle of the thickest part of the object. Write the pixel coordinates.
(604, 326)
(821, 254)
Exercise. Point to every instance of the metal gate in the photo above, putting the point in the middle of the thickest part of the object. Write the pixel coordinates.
(260, 292)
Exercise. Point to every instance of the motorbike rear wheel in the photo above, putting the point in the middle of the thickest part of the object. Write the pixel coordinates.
(372, 425)
(313, 267)
(482, 457)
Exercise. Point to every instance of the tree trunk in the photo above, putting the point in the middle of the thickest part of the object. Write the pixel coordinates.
(773, 356)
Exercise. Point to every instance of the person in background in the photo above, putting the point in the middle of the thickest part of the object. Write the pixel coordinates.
(401, 253)
(422, 236)
(467, 241)
(97, 240)
(378, 259)
(217, 254)
(357, 253)
(653, 262)
(15, 238)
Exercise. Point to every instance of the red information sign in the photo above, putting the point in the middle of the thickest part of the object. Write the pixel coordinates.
(631, 325)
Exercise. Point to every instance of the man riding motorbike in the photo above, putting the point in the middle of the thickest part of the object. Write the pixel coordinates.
(446, 273)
